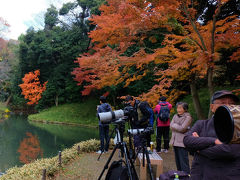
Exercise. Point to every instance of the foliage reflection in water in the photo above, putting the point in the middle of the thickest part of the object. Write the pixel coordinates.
(23, 142)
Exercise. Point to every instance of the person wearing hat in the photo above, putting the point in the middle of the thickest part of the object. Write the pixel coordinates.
(212, 158)
(103, 128)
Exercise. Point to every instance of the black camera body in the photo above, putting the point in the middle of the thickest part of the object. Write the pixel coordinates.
(128, 110)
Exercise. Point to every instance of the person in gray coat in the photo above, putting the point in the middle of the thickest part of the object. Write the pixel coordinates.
(212, 158)
(180, 124)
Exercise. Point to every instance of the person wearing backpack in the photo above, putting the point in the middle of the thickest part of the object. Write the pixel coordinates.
(103, 128)
(140, 118)
(163, 123)
(179, 125)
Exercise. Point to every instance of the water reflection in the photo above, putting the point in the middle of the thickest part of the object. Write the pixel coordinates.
(21, 142)
(29, 149)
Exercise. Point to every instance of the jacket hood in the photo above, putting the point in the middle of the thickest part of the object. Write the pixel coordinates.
(106, 107)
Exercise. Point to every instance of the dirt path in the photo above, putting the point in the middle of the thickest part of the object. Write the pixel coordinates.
(86, 166)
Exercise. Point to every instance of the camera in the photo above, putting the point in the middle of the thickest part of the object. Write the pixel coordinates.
(113, 116)
(146, 131)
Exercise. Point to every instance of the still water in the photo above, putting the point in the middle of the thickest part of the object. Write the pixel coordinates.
(22, 141)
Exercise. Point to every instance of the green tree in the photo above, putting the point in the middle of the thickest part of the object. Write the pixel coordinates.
(54, 49)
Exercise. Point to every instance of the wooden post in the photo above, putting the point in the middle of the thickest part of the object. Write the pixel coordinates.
(44, 174)
(78, 149)
(60, 158)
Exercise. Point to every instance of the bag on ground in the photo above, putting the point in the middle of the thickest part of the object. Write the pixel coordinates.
(117, 171)
(170, 175)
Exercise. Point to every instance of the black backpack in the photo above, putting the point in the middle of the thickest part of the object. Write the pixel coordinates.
(144, 108)
(164, 113)
(117, 171)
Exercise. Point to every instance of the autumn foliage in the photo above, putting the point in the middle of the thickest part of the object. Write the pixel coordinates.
(189, 48)
(29, 149)
(32, 89)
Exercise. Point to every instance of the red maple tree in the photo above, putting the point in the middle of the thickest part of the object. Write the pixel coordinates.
(32, 89)
(190, 49)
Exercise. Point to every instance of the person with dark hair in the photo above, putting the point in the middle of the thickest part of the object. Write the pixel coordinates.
(163, 123)
(179, 125)
(103, 128)
(139, 118)
(212, 158)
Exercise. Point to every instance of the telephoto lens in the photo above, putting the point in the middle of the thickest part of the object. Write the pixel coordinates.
(135, 131)
(108, 117)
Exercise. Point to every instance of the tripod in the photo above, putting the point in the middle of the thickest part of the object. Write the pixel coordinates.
(143, 149)
(124, 152)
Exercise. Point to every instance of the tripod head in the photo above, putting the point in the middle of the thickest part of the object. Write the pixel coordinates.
(119, 122)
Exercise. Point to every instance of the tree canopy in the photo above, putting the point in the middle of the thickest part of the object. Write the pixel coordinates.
(188, 52)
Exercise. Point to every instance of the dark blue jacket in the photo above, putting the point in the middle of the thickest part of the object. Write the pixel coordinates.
(104, 107)
(220, 162)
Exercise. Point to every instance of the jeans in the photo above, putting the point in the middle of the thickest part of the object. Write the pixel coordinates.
(104, 134)
(181, 158)
(162, 131)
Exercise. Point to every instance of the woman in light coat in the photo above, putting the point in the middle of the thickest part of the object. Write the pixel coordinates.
(180, 124)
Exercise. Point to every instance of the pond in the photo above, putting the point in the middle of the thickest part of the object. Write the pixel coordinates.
(22, 141)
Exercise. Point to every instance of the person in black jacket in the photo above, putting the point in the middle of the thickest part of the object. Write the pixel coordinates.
(212, 158)
(103, 128)
(138, 119)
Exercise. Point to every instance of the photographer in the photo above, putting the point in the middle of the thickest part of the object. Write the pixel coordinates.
(103, 128)
(139, 117)
(212, 158)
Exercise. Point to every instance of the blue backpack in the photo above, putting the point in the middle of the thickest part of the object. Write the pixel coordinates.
(164, 113)
(151, 118)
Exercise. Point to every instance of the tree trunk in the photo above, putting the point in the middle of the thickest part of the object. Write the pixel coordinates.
(196, 101)
(210, 88)
(8, 100)
(56, 100)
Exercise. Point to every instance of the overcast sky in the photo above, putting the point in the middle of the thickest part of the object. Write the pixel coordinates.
(20, 13)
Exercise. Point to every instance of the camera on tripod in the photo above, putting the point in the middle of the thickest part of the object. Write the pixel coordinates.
(146, 131)
(113, 116)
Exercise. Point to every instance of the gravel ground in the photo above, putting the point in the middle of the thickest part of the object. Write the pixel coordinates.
(87, 167)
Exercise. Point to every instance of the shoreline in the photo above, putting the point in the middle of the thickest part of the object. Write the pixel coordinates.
(63, 123)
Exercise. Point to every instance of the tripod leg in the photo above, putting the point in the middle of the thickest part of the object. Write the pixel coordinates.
(108, 161)
(132, 165)
(148, 163)
(136, 155)
(107, 142)
(127, 160)
(131, 147)
(143, 149)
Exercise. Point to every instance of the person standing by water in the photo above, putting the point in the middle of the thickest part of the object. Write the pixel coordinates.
(103, 128)
(179, 125)
(163, 123)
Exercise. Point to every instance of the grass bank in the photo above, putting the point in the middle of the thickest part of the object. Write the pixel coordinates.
(34, 170)
(77, 113)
